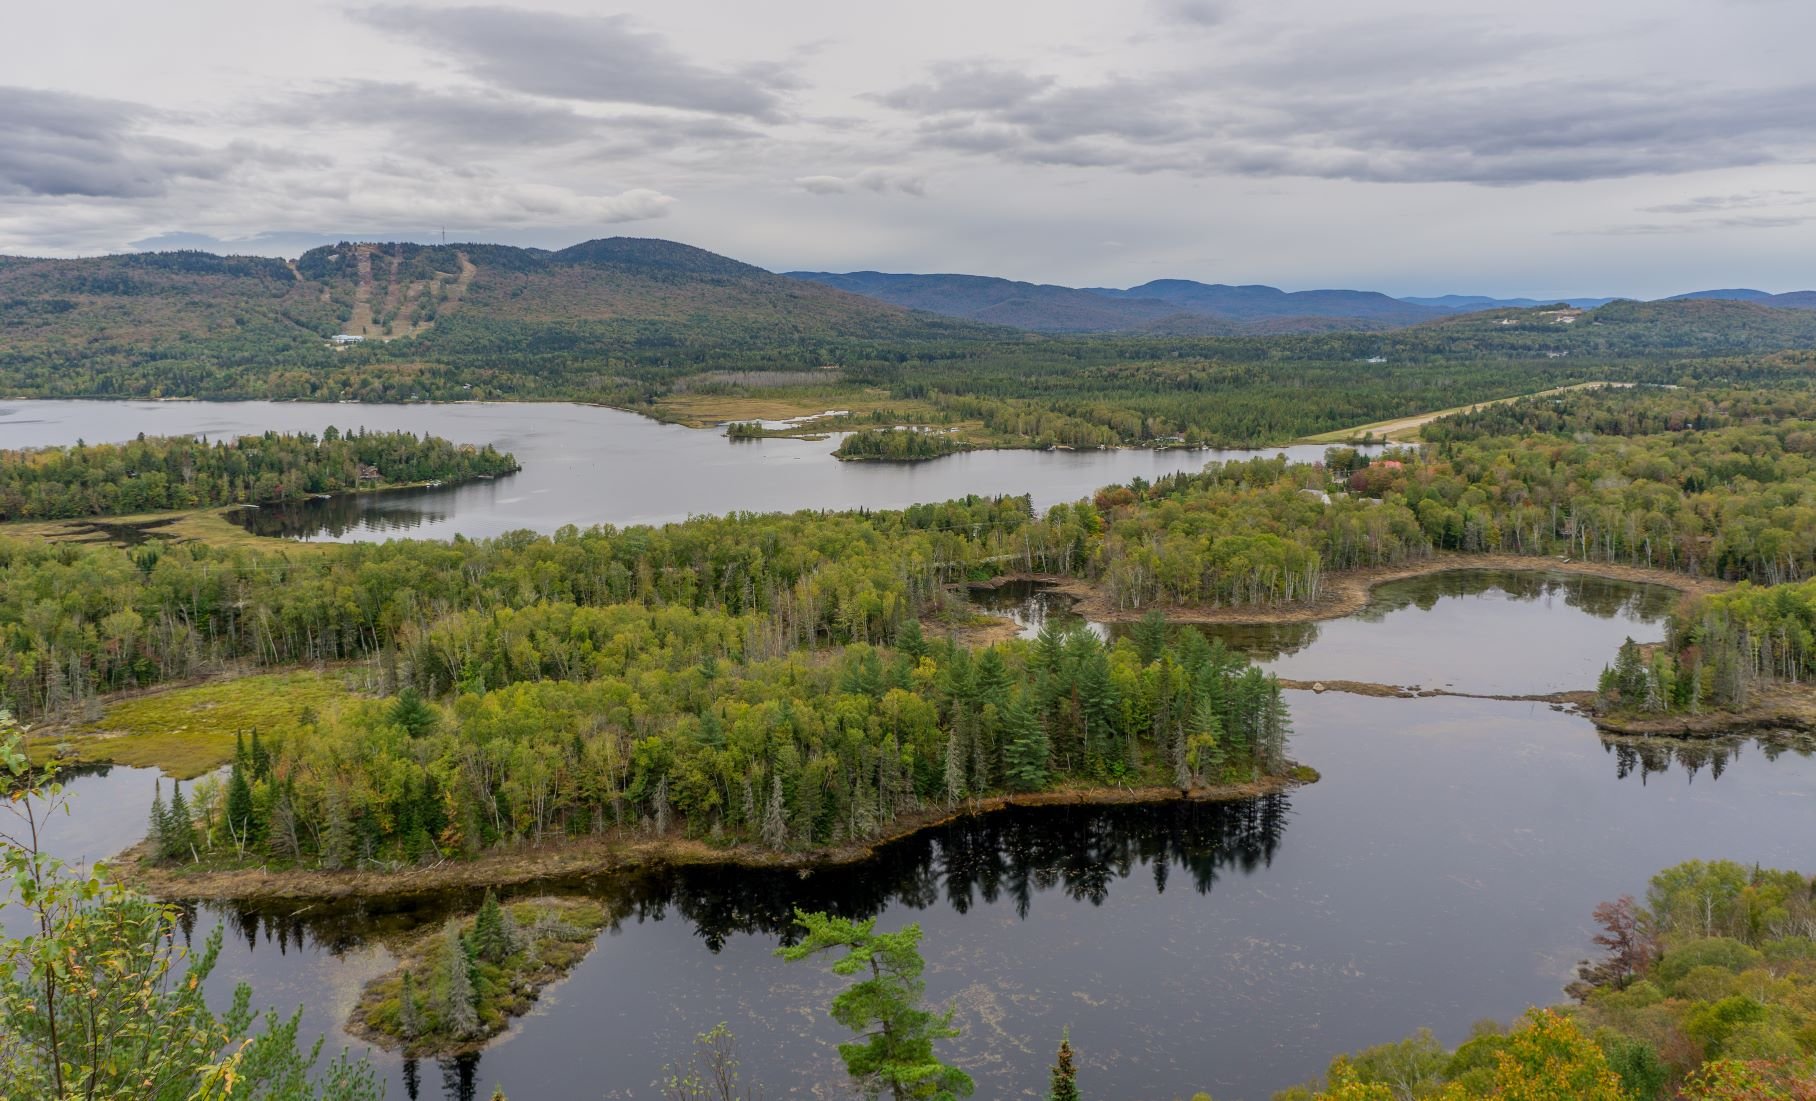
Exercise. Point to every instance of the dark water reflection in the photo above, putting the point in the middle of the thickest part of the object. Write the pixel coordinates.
(1230, 948)
(1508, 632)
(400, 512)
(1442, 871)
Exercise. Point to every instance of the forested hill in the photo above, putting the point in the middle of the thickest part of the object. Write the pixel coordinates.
(1172, 306)
(1037, 307)
(149, 323)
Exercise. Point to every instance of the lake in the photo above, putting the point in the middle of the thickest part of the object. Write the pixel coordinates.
(1462, 630)
(587, 465)
(1443, 870)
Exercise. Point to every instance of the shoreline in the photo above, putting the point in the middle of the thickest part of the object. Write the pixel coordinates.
(1776, 706)
(622, 851)
(1347, 592)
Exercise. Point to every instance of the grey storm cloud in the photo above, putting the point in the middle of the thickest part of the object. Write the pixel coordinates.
(878, 180)
(1459, 130)
(603, 59)
(967, 86)
(61, 144)
(449, 124)
(425, 116)
(1704, 204)
(1201, 13)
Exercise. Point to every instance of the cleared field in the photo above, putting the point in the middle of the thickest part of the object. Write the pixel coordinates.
(704, 410)
(1406, 429)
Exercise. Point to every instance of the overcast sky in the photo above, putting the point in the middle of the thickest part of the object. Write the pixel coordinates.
(1639, 147)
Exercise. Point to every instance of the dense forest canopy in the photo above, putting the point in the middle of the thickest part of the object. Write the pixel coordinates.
(569, 721)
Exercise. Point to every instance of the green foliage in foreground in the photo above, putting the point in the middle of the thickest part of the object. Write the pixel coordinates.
(884, 1005)
(1707, 993)
(179, 472)
(96, 1002)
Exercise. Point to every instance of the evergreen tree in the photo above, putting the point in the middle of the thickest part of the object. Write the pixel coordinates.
(1150, 635)
(1098, 697)
(984, 748)
(1205, 755)
(991, 681)
(261, 758)
(661, 807)
(179, 826)
(955, 768)
(711, 732)
(1064, 1075)
(896, 1057)
(1630, 674)
(337, 838)
(409, 1013)
(239, 805)
(413, 714)
(156, 842)
(910, 640)
(1026, 748)
(490, 940)
(775, 821)
(1276, 726)
(456, 1002)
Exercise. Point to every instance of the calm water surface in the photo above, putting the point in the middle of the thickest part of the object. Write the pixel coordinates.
(1442, 871)
(1494, 632)
(588, 465)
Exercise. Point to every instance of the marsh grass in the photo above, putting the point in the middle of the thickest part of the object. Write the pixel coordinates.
(189, 731)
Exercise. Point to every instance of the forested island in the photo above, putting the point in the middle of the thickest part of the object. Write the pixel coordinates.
(896, 445)
(463, 983)
(158, 474)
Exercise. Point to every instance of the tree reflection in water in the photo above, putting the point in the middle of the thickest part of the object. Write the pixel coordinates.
(1655, 756)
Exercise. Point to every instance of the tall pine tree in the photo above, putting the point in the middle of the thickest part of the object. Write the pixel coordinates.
(1064, 1075)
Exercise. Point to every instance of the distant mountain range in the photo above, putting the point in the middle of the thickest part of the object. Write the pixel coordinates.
(613, 292)
(1792, 300)
(645, 292)
(1185, 306)
(1469, 303)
